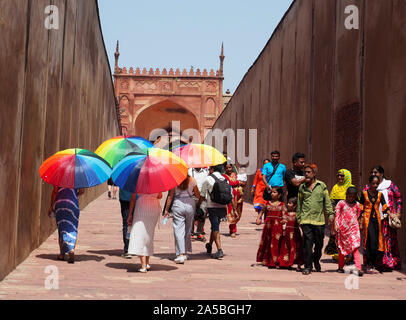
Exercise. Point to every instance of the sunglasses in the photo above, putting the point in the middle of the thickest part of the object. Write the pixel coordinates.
(340, 175)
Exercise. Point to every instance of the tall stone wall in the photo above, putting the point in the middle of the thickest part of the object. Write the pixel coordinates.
(335, 94)
(56, 93)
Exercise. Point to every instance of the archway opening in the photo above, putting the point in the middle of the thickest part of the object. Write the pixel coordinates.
(161, 115)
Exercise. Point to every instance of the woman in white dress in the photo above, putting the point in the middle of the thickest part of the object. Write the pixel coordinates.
(146, 209)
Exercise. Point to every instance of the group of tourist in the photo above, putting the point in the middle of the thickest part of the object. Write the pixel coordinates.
(294, 233)
(293, 205)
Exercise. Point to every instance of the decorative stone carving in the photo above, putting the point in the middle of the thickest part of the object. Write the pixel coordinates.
(124, 85)
(211, 86)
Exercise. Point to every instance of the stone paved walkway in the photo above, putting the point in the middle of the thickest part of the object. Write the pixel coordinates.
(101, 273)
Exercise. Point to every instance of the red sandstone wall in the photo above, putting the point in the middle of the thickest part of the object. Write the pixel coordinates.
(337, 95)
(56, 92)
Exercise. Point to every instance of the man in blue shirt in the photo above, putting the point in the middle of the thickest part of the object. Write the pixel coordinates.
(273, 173)
(125, 198)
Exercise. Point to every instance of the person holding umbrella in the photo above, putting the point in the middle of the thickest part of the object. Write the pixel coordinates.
(69, 171)
(146, 176)
(143, 217)
(183, 210)
(65, 206)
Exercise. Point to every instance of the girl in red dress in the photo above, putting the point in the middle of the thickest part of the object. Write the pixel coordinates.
(268, 251)
(346, 225)
(292, 242)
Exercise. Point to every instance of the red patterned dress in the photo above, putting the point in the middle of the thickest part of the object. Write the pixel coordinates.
(348, 236)
(292, 243)
(393, 198)
(269, 247)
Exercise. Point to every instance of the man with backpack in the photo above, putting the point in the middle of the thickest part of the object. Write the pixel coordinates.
(217, 193)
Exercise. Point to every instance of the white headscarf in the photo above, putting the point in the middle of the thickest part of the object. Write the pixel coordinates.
(383, 187)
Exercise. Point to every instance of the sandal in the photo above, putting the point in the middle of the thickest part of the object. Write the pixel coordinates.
(71, 257)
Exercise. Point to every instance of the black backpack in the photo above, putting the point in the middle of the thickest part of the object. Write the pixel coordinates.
(221, 192)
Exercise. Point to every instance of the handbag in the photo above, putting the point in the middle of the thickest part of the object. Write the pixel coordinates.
(267, 194)
(170, 206)
(394, 222)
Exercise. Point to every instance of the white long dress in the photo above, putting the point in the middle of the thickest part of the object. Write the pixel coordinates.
(146, 214)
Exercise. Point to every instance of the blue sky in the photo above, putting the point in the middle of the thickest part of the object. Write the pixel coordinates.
(181, 33)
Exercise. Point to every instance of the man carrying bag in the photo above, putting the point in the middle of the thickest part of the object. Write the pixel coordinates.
(273, 174)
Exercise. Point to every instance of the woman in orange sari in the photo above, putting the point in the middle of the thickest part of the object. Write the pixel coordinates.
(257, 190)
(373, 241)
(232, 219)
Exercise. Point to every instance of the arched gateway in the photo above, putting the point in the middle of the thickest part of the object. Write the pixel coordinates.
(153, 99)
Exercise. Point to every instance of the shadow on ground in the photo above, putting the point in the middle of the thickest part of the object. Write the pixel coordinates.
(116, 252)
(193, 256)
(134, 266)
(78, 257)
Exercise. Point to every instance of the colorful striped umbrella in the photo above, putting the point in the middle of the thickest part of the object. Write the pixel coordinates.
(75, 168)
(157, 171)
(115, 149)
(199, 155)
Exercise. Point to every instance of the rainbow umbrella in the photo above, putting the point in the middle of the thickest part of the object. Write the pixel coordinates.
(75, 168)
(115, 149)
(199, 155)
(157, 171)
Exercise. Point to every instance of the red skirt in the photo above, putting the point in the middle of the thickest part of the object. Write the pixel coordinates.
(291, 251)
(269, 247)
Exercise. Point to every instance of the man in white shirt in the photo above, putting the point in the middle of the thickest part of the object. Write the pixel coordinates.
(216, 211)
(200, 175)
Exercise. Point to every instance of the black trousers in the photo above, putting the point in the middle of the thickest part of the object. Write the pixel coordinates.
(312, 236)
(125, 209)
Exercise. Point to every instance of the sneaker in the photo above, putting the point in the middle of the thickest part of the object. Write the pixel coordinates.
(340, 270)
(126, 255)
(180, 260)
(148, 267)
(143, 270)
(208, 248)
(218, 255)
(306, 272)
(317, 267)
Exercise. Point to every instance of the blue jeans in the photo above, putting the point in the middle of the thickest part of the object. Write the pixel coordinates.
(125, 209)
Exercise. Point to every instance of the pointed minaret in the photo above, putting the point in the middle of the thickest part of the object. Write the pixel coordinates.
(116, 55)
(221, 59)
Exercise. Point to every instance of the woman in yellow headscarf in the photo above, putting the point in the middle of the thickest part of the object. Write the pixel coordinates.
(344, 181)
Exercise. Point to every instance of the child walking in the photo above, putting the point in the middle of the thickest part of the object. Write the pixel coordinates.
(269, 247)
(347, 227)
(292, 242)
